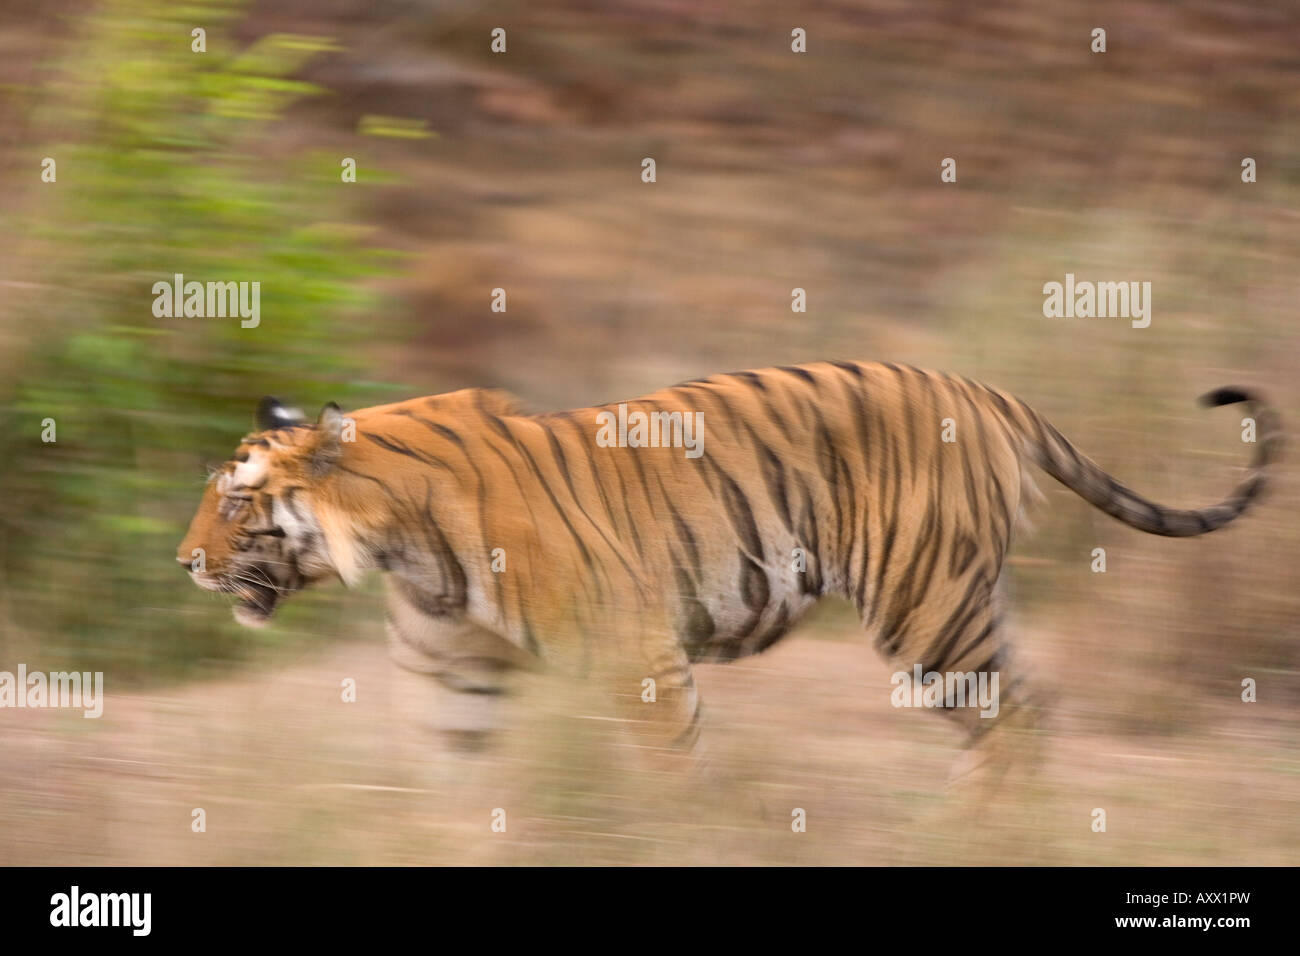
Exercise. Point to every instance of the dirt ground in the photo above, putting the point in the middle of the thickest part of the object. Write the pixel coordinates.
(287, 773)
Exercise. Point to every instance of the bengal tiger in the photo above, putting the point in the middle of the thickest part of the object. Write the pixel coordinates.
(514, 539)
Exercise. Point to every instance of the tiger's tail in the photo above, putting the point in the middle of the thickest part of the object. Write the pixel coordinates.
(1059, 458)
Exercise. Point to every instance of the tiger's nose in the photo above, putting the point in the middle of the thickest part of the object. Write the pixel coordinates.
(184, 562)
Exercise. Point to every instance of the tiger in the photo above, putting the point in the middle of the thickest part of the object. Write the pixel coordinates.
(518, 540)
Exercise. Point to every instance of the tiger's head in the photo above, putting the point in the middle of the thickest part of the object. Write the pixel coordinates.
(257, 533)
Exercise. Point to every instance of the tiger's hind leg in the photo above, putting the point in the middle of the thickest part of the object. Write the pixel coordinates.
(969, 671)
(989, 797)
(1007, 743)
(997, 796)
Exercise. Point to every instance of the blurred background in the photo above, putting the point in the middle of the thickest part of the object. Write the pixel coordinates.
(521, 170)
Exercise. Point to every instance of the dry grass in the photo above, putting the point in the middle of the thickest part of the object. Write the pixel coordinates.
(289, 774)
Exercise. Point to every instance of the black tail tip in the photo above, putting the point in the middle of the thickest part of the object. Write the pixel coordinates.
(1228, 395)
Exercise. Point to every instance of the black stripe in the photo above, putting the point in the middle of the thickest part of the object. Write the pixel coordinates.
(975, 600)
(799, 372)
(399, 447)
(740, 513)
(774, 478)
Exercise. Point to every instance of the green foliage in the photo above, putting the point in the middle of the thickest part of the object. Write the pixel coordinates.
(167, 173)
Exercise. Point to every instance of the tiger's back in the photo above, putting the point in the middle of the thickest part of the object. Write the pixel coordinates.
(813, 480)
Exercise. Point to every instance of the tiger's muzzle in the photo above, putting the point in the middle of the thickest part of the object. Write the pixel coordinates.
(258, 591)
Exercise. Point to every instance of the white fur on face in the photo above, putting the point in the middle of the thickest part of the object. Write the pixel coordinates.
(251, 473)
(341, 543)
(295, 528)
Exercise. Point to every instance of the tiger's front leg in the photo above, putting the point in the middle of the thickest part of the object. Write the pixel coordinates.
(453, 672)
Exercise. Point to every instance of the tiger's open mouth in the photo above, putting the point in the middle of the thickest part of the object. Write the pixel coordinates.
(256, 604)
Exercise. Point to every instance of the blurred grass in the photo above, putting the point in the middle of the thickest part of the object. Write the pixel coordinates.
(160, 171)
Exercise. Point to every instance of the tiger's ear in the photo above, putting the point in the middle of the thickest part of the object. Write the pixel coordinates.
(327, 449)
(272, 415)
